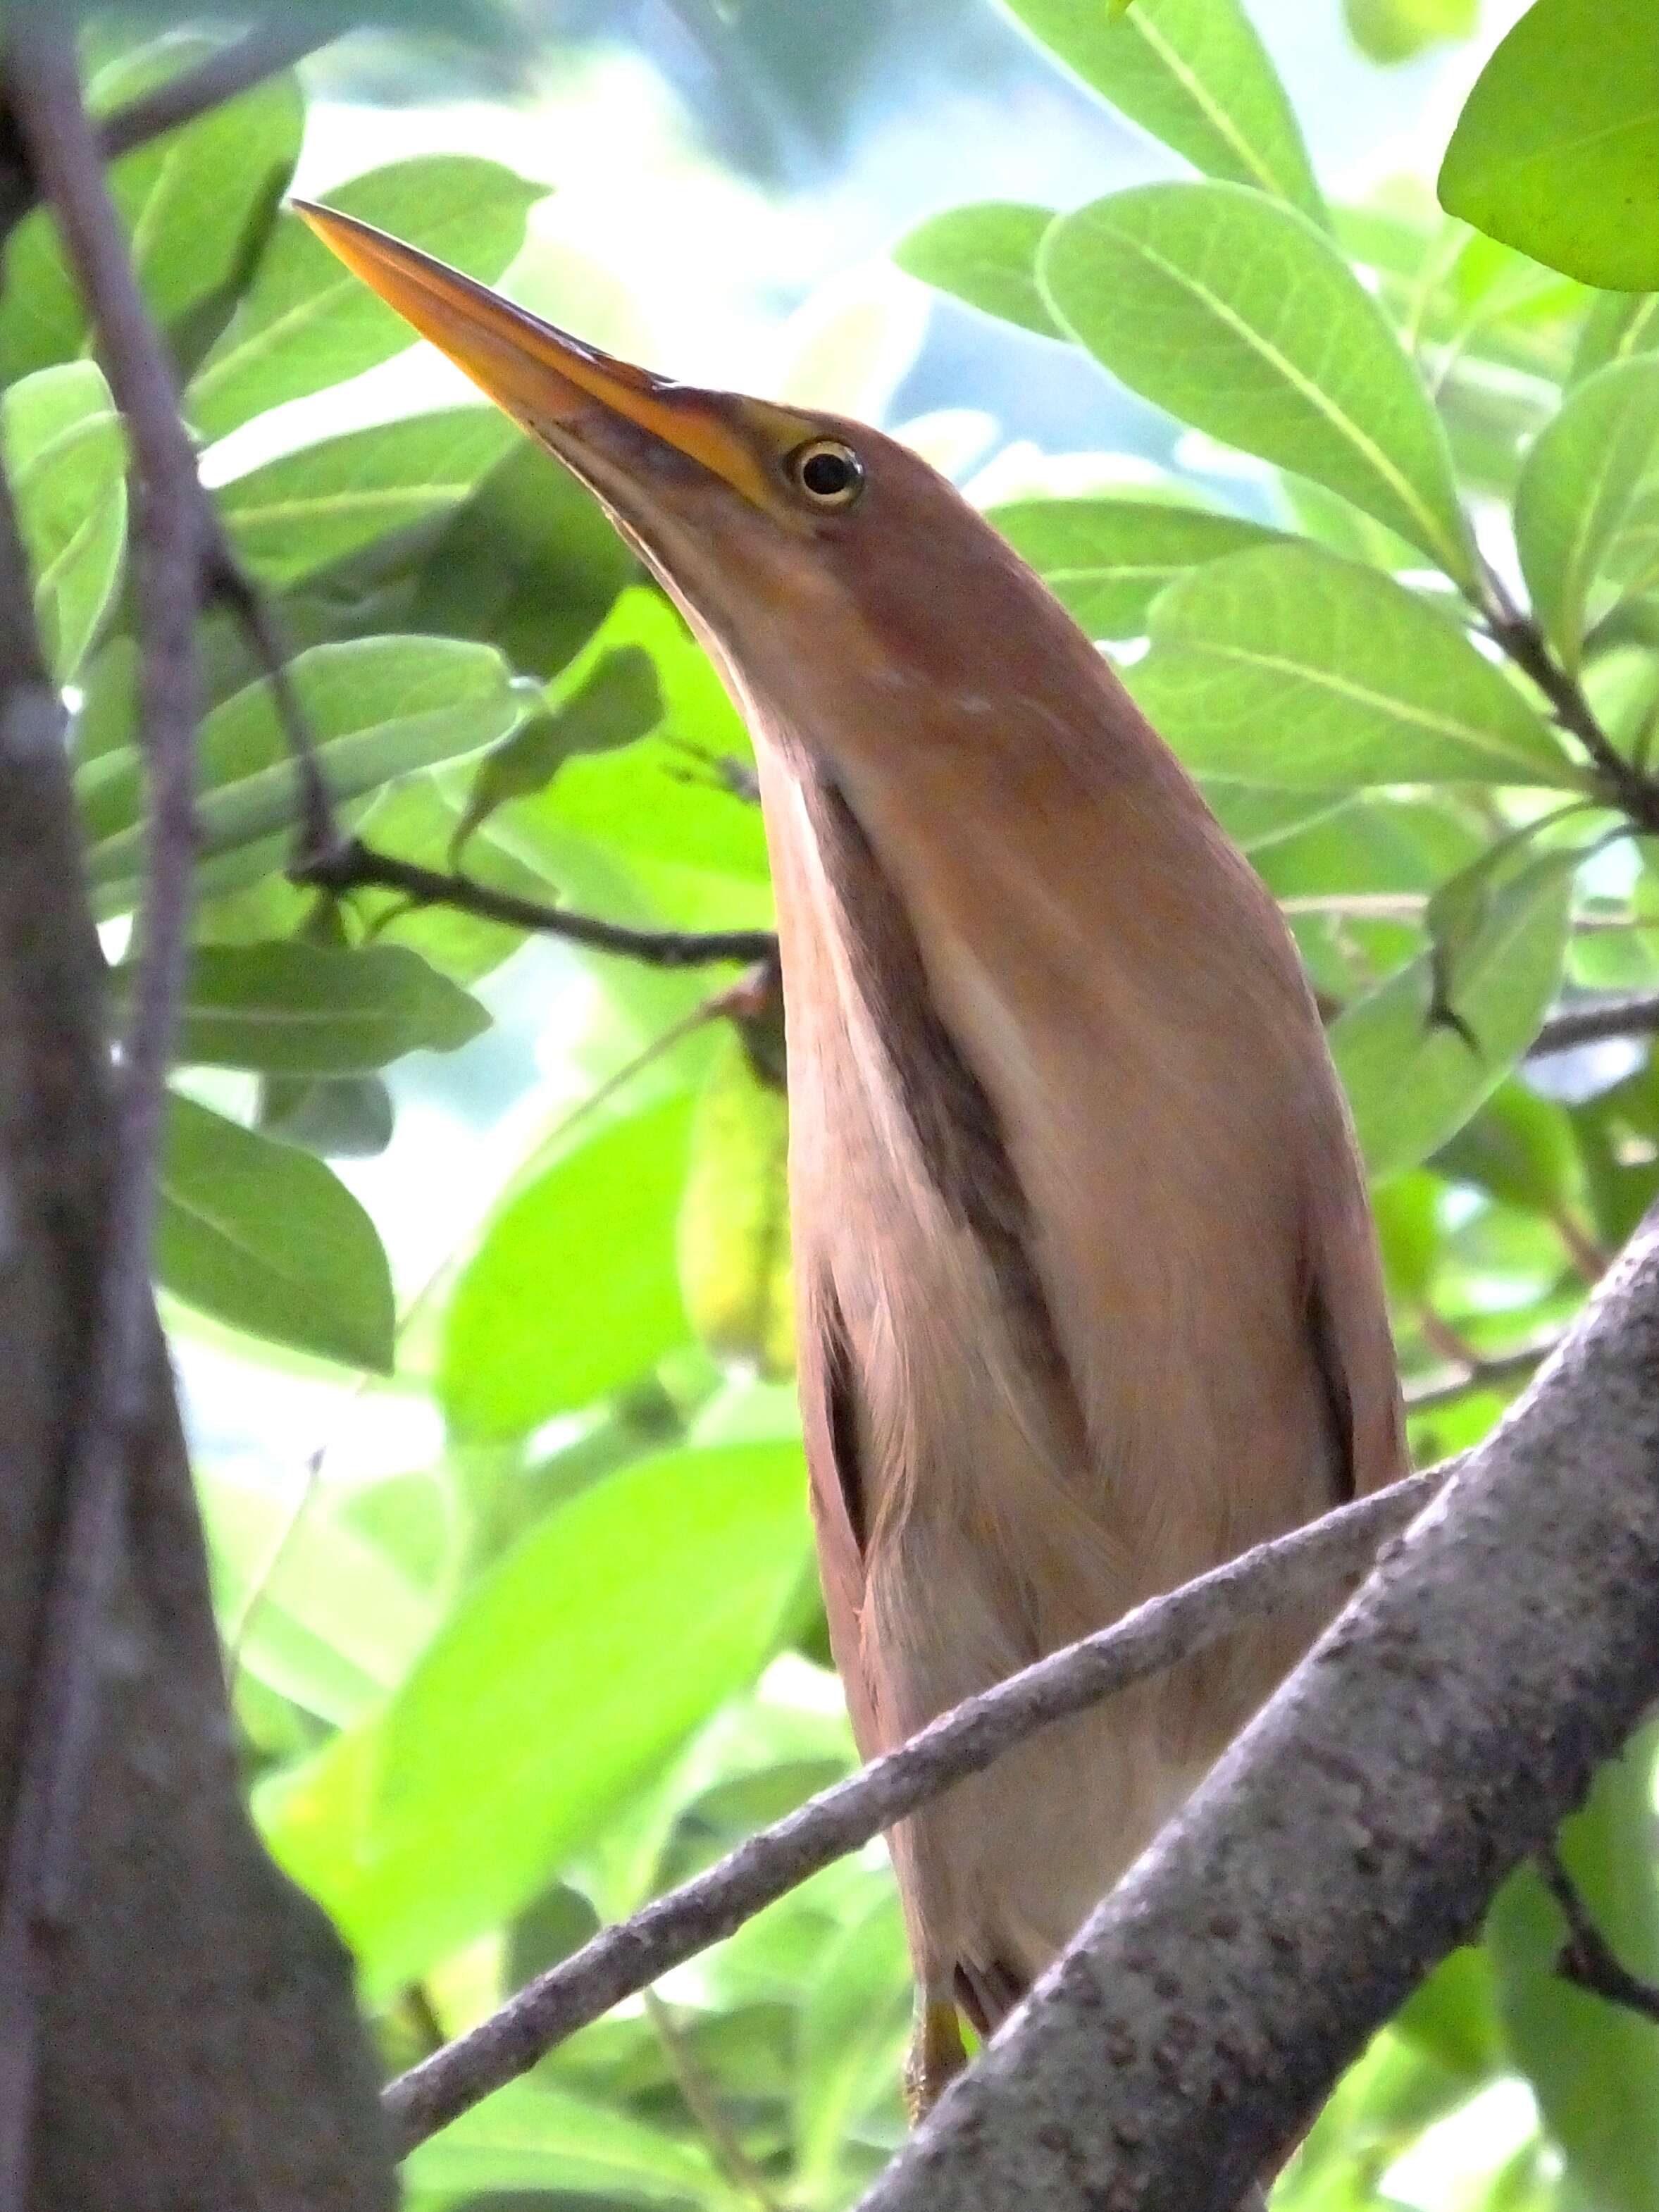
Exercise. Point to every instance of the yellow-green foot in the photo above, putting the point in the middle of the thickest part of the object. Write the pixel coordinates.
(935, 2058)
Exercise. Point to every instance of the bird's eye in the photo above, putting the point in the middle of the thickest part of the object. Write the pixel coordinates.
(827, 472)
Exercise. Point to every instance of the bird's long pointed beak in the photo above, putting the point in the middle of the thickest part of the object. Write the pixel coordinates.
(560, 389)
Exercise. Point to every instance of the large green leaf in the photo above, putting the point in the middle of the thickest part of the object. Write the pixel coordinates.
(191, 203)
(289, 1008)
(268, 1240)
(1618, 326)
(535, 2136)
(305, 322)
(1593, 2066)
(376, 707)
(1196, 74)
(66, 457)
(854, 2023)
(1553, 151)
(733, 1234)
(1413, 1080)
(572, 1291)
(298, 515)
(566, 1679)
(530, 563)
(1238, 315)
(1291, 665)
(325, 1617)
(984, 254)
(613, 702)
(1106, 559)
(1587, 507)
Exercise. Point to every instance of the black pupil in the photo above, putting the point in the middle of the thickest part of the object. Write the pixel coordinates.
(826, 474)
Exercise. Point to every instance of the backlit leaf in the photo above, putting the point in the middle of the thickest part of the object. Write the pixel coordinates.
(986, 256)
(1240, 317)
(66, 458)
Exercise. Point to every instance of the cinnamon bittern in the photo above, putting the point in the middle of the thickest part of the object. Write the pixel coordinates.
(1087, 1285)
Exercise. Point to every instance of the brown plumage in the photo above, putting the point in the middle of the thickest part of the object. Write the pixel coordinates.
(1088, 1295)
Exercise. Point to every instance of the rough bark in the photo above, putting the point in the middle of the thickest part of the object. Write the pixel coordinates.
(189, 2036)
(1436, 1734)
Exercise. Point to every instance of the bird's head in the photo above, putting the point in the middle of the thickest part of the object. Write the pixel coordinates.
(837, 579)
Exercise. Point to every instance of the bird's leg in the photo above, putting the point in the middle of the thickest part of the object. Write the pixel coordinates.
(936, 2056)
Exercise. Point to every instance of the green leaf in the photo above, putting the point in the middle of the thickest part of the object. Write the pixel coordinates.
(734, 1235)
(529, 563)
(854, 2024)
(191, 203)
(1389, 31)
(305, 322)
(1554, 151)
(572, 1291)
(1520, 1147)
(1240, 317)
(1413, 1082)
(268, 1240)
(617, 701)
(1618, 326)
(294, 1009)
(1291, 665)
(986, 255)
(332, 1622)
(535, 2136)
(1587, 507)
(1195, 73)
(1106, 559)
(1593, 2066)
(625, 1617)
(376, 707)
(298, 515)
(66, 457)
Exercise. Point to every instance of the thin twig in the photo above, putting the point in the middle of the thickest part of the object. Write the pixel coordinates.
(1587, 1959)
(236, 68)
(352, 865)
(1477, 1373)
(1517, 634)
(231, 584)
(622, 1961)
(1634, 1013)
(701, 2101)
(62, 1706)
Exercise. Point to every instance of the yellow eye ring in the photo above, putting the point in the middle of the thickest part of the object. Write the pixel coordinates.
(826, 473)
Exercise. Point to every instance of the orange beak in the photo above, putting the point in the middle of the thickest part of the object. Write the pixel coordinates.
(571, 396)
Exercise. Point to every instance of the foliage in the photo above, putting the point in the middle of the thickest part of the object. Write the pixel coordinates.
(1553, 153)
(573, 1651)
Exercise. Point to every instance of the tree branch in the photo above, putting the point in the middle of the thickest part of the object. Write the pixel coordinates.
(237, 66)
(349, 865)
(622, 1961)
(42, 1846)
(1435, 1736)
(1587, 1959)
(1634, 1013)
(1477, 1373)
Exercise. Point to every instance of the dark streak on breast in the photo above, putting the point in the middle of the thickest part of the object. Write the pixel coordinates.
(841, 1416)
(1339, 1404)
(958, 1133)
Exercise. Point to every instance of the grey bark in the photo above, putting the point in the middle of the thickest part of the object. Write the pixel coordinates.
(191, 2031)
(1434, 1735)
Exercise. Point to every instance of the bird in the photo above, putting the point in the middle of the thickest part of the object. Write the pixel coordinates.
(1087, 1286)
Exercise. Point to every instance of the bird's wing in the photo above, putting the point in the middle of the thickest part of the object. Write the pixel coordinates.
(829, 1418)
(1348, 1325)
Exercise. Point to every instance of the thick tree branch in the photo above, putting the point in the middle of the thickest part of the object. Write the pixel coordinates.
(351, 866)
(1435, 1736)
(622, 1961)
(41, 1848)
(176, 2024)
